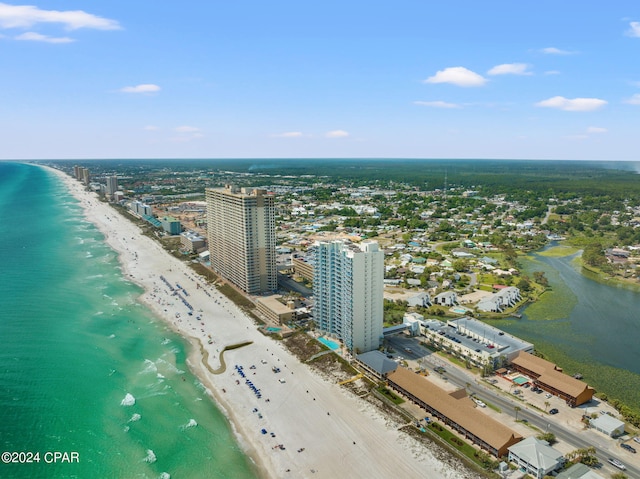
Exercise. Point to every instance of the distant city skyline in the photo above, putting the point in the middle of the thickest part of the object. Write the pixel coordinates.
(412, 79)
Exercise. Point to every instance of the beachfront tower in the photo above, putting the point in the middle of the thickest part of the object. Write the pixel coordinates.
(348, 284)
(112, 185)
(242, 237)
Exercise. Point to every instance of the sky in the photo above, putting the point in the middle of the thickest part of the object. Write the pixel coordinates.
(311, 79)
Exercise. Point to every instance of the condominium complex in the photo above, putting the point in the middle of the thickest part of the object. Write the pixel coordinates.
(348, 290)
(242, 239)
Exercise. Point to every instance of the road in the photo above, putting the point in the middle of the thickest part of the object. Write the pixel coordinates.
(464, 379)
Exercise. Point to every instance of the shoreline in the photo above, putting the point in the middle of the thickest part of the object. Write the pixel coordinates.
(292, 406)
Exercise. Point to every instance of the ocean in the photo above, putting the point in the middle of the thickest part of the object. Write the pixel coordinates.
(92, 385)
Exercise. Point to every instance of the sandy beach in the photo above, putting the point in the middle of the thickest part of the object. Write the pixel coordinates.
(292, 423)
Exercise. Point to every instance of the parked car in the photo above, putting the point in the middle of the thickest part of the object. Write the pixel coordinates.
(614, 462)
(637, 439)
(628, 447)
(553, 411)
(548, 395)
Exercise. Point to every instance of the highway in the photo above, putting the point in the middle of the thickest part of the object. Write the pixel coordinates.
(455, 375)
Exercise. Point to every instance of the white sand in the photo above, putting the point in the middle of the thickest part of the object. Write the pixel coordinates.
(342, 436)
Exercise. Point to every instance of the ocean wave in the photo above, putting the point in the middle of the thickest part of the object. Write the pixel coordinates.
(165, 475)
(168, 366)
(150, 367)
(165, 341)
(191, 423)
(111, 336)
(151, 457)
(128, 400)
(135, 417)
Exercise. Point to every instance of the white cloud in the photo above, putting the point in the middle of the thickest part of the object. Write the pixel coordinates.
(143, 88)
(634, 100)
(575, 104)
(151, 128)
(37, 37)
(459, 76)
(288, 134)
(25, 16)
(510, 69)
(596, 129)
(437, 104)
(552, 72)
(634, 31)
(556, 51)
(187, 129)
(337, 134)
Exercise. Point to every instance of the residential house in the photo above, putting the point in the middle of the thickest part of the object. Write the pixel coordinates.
(536, 457)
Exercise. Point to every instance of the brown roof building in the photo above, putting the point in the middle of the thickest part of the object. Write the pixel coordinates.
(456, 410)
(550, 377)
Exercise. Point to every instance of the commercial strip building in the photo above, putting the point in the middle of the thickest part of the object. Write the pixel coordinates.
(348, 292)
(456, 410)
(473, 340)
(549, 377)
(536, 457)
(242, 239)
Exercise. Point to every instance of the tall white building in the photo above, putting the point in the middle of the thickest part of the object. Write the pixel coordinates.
(242, 237)
(348, 283)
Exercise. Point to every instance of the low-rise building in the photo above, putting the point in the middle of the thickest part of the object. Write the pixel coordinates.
(303, 267)
(536, 457)
(274, 311)
(549, 377)
(448, 298)
(376, 364)
(473, 340)
(608, 425)
(579, 471)
(456, 410)
(192, 241)
(422, 299)
(498, 302)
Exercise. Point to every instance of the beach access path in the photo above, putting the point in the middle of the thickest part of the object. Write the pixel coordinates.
(298, 425)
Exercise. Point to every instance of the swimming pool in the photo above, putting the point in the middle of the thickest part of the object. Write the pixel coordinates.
(459, 310)
(328, 343)
(271, 329)
(520, 380)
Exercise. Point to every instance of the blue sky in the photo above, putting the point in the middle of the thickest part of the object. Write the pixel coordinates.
(420, 79)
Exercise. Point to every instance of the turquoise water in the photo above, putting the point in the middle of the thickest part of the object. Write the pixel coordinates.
(330, 344)
(84, 368)
(271, 329)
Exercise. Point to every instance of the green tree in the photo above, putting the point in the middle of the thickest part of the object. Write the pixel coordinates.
(547, 436)
(524, 284)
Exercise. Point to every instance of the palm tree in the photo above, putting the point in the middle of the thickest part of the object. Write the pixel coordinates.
(517, 409)
(546, 405)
